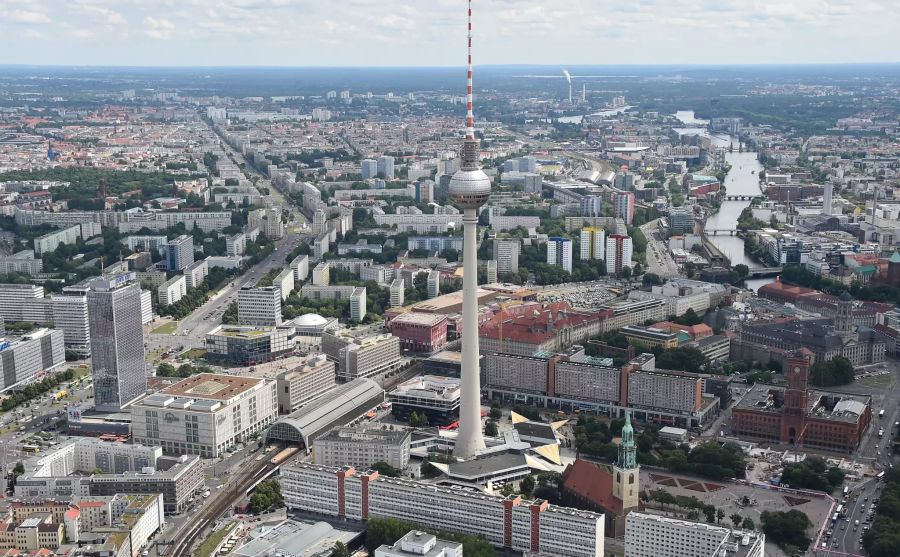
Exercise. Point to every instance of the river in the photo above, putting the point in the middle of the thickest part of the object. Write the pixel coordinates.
(742, 179)
(607, 112)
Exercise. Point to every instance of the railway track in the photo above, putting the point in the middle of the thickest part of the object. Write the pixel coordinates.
(248, 474)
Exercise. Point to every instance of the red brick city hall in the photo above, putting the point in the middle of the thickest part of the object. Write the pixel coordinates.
(800, 416)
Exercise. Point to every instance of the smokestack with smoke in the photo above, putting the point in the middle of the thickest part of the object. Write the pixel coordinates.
(569, 81)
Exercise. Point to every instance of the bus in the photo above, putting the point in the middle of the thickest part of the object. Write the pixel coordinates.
(879, 476)
(881, 413)
(840, 510)
(846, 490)
(834, 519)
(30, 449)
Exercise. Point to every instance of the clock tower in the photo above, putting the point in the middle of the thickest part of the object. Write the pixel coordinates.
(793, 419)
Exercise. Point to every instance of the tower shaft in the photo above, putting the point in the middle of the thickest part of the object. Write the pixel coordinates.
(470, 437)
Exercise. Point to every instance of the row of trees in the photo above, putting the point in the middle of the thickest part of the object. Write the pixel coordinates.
(184, 370)
(696, 507)
(196, 297)
(386, 531)
(34, 390)
(883, 538)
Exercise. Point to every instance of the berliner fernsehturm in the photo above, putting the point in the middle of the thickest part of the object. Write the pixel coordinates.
(469, 189)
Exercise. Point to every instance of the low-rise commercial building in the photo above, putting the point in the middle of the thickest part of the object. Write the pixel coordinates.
(362, 447)
(437, 398)
(361, 355)
(245, 345)
(205, 414)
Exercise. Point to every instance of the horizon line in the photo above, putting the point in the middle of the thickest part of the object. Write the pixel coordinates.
(501, 65)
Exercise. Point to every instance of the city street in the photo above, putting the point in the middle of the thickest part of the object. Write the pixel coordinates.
(659, 261)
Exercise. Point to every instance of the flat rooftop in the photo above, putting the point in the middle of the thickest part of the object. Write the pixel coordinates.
(839, 407)
(212, 386)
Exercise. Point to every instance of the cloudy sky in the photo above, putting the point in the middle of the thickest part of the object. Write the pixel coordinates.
(432, 32)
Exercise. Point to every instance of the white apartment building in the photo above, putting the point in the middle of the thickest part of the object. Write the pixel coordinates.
(52, 240)
(648, 535)
(22, 361)
(506, 254)
(434, 283)
(397, 290)
(420, 224)
(306, 382)
(259, 306)
(146, 307)
(321, 275)
(86, 454)
(593, 243)
(236, 244)
(13, 297)
(146, 243)
(361, 448)
(300, 266)
(559, 252)
(358, 304)
(284, 281)
(196, 273)
(70, 315)
(506, 522)
(172, 290)
(205, 414)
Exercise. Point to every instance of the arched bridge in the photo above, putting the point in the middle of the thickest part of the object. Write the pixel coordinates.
(720, 232)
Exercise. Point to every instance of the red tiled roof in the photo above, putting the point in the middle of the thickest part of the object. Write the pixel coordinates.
(592, 482)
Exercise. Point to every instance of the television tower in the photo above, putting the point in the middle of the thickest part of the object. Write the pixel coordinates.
(470, 188)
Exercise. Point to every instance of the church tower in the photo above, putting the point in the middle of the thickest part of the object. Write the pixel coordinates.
(626, 472)
(843, 321)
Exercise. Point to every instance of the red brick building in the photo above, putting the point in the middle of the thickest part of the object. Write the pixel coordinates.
(420, 332)
(799, 416)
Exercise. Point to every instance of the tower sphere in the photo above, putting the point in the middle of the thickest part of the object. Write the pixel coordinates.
(470, 188)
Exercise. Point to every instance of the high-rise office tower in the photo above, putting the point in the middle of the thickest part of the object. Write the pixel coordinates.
(623, 206)
(593, 243)
(827, 194)
(117, 341)
(559, 252)
(470, 188)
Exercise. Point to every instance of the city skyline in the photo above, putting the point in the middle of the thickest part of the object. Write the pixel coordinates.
(371, 33)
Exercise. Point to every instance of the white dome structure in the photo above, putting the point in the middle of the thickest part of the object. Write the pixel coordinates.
(310, 320)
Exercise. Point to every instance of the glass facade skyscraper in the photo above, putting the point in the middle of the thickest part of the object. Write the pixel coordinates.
(117, 341)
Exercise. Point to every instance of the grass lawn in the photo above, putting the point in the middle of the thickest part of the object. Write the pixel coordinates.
(166, 329)
(193, 354)
(875, 380)
(206, 548)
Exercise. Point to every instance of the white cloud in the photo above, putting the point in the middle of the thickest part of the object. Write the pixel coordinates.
(25, 16)
(82, 34)
(161, 29)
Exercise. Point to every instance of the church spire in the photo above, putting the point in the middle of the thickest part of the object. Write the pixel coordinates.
(627, 451)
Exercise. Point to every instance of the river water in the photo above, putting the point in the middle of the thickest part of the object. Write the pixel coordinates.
(742, 179)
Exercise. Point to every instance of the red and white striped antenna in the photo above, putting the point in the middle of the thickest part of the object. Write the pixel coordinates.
(470, 116)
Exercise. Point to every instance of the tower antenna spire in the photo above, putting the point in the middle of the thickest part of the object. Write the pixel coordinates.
(470, 115)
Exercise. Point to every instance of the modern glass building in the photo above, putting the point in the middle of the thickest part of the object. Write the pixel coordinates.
(117, 341)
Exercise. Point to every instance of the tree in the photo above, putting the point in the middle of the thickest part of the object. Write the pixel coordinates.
(710, 513)
(742, 270)
(165, 370)
(418, 420)
(495, 413)
(831, 373)
(385, 469)
(526, 486)
(266, 497)
(340, 550)
(748, 524)
(507, 490)
(736, 519)
(786, 529)
(720, 514)
(18, 469)
(625, 273)
(490, 428)
(689, 318)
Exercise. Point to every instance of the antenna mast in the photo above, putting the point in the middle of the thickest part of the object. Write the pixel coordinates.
(470, 145)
